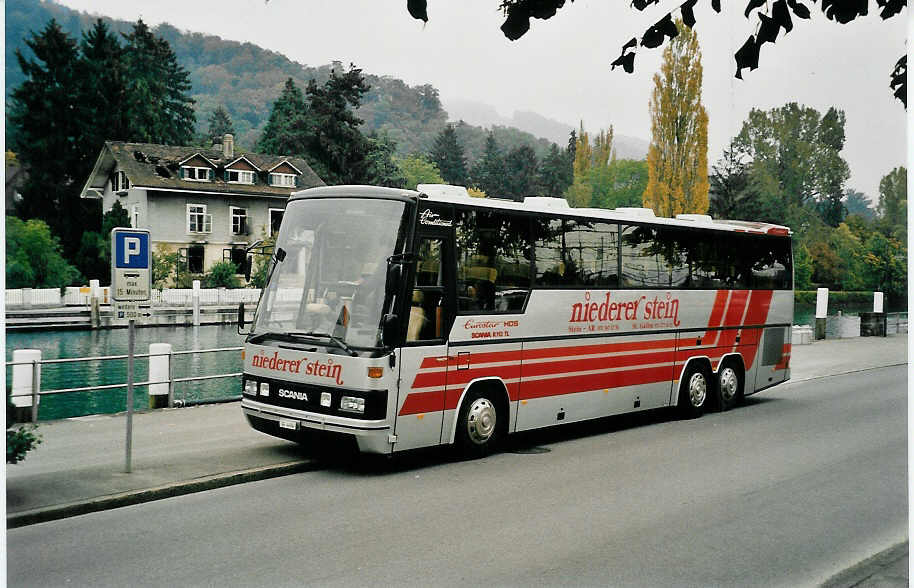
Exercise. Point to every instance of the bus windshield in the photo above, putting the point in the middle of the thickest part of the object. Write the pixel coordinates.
(330, 269)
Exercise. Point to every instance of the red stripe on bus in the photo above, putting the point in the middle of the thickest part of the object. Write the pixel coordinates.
(717, 313)
(573, 384)
(582, 365)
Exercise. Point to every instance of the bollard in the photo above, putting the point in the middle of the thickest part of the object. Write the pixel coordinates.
(159, 371)
(196, 303)
(94, 317)
(821, 312)
(27, 384)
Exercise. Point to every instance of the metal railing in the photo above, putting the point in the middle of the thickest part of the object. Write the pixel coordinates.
(36, 391)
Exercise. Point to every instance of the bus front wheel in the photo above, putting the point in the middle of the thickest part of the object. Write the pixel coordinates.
(693, 392)
(478, 426)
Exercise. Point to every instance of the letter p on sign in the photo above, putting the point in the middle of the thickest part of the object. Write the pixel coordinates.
(131, 248)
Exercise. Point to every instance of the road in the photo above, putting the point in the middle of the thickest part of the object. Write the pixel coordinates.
(805, 479)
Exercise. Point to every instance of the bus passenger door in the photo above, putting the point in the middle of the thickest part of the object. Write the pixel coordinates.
(424, 357)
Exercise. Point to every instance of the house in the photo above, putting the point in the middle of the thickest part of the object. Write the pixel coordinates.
(207, 204)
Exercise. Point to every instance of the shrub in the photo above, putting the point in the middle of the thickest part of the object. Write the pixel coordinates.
(19, 441)
(221, 275)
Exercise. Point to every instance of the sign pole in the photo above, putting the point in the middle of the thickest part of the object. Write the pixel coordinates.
(131, 339)
(131, 283)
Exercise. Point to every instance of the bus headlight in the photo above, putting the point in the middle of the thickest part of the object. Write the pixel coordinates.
(352, 404)
(250, 387)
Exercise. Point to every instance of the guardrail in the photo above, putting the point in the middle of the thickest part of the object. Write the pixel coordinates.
(30, 387)
(80, 296)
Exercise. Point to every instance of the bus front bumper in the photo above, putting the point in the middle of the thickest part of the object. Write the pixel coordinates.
(287, 423)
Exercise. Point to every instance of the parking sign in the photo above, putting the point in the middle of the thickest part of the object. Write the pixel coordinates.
(131, 264)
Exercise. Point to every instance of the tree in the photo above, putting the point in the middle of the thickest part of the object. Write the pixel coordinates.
(554, 174)
(488, 173)
(625, 182)
(728, 181)
(677, 158)
(777, 16)
(287, 119)
(857, 204)
(158, 106)
(580, 192)
(794, 161)
(94, 256)
(382, 169)
(447, 154)
(47, 123)
(520, 172)
(33, 256)
(220, 123)
(418, 170)
(892, 208)
(334, 146)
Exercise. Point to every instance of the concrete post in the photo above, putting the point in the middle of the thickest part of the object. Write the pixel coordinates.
(159, 371)
(27, 381)
(26, 298)
(196, 303)
(94, 292)
(821, 312)
(878, 300)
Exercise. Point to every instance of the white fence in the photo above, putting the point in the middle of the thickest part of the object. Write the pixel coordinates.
(79, 296)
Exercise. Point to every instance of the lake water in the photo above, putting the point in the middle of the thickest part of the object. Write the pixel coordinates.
(105, 342)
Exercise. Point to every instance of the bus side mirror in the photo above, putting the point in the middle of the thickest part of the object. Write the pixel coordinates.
(240, 317)
(389, 325)
(247, 267)
(394, 275)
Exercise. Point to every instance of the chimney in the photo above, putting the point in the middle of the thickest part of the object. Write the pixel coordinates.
(228, 146)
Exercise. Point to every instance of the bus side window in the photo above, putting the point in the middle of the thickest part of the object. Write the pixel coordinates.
(426, 320)
(493, 269)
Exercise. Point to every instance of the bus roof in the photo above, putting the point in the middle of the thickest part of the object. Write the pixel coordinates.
(445, 193)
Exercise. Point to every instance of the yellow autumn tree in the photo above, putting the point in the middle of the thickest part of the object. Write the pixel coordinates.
(677, 159)
(588, 160)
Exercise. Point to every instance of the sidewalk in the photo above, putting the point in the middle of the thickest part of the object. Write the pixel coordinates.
(79, 466)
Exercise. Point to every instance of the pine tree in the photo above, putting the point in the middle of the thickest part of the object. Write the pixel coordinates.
(102, 89)
(287, 121)
(220, 123)
(520, 171)
(46, 118)
(334, 146)
(159, 108)
(488, 174)
(447, 154)
(382, 169)
(678, 154)
(553, 173)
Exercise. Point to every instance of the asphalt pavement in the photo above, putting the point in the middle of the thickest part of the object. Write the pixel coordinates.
(80, 466)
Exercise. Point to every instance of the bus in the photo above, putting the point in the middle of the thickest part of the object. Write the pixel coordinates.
(403, 319)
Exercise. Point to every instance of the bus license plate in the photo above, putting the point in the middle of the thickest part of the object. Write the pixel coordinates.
(286, 424)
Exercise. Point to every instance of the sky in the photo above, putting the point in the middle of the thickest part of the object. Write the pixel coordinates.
(561, 67)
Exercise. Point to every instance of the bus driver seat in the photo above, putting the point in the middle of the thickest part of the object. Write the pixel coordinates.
(417, 318)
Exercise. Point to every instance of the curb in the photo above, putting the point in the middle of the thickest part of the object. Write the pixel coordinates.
(857, 574)
(71, 509)
(866, 369)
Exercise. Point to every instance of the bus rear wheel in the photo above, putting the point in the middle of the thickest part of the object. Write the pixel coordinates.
(693, 392)
(478, 426)
(729, 386)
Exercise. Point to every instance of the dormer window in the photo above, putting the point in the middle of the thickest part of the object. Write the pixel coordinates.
(282, 180)
(237, 176)
(119, 182)
(197, 174)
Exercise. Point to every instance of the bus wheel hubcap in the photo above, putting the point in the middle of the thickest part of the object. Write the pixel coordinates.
(698, 389)
(728, 383)
(481, 421)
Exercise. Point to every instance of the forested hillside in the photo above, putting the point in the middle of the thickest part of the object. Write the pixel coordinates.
(246, 79)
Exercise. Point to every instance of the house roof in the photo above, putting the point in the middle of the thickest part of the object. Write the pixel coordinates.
(154, 166)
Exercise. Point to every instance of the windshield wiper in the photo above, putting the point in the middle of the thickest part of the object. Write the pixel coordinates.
(333, 339)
